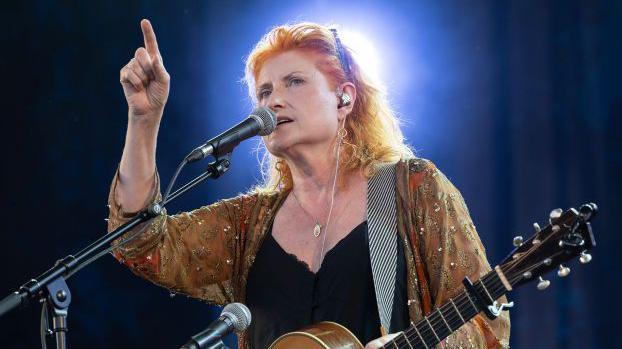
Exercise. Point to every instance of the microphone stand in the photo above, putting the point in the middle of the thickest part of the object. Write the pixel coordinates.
(51, 289)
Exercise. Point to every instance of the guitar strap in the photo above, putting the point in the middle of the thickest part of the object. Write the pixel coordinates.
(382, 231)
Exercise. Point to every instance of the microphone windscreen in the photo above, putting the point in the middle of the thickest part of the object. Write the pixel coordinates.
(239, 314)
(265, 116)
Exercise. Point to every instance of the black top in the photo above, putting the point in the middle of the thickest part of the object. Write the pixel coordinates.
(283, 295)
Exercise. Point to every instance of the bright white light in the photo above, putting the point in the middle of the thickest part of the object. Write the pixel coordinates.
(364, 52)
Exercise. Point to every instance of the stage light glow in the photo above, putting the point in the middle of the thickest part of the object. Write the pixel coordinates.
(364, 51)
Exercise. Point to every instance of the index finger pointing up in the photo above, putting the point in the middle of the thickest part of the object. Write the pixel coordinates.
(151, 44)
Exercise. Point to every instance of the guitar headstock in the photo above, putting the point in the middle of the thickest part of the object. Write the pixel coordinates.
(568, 235)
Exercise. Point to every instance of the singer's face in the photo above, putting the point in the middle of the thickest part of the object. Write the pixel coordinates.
(291, 84)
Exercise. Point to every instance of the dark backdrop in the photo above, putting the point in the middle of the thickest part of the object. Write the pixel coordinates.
(519, 103)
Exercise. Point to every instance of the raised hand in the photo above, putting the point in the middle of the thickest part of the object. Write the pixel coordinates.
(145, 81)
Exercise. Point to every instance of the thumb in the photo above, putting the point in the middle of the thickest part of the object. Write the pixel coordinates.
(379, 342)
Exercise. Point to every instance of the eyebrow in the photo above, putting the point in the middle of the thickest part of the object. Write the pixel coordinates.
(285, 78)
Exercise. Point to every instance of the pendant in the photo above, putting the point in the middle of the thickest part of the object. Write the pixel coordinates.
(317, 230)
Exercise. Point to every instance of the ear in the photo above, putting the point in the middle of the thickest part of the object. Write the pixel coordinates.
(345, 110)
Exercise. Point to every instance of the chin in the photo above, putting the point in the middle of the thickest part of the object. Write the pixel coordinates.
(277, 147)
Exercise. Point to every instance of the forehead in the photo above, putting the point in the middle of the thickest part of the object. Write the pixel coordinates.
(284, 63)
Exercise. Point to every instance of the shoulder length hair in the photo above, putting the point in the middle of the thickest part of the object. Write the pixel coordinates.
(373, 133)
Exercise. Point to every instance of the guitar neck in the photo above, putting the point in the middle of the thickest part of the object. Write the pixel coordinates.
(449, 317)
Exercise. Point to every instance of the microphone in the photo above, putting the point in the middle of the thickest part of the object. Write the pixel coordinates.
(261, 121)
(235, 316)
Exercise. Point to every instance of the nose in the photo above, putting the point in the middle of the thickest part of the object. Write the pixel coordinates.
(276, 99)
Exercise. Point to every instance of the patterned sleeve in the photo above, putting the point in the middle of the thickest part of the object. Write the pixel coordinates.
(191, 253)
(451, 250)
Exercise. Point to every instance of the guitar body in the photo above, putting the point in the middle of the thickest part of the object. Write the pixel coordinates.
(323, 335)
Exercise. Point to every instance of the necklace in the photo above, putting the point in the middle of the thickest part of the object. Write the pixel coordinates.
(317, 230)
(318, 227)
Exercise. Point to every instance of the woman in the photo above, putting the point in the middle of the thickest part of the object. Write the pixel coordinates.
(302, 258)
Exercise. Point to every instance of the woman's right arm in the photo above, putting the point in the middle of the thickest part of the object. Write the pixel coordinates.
(192, 252)
(146, 86)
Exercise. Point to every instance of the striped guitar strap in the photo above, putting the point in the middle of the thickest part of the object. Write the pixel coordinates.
(382, 223)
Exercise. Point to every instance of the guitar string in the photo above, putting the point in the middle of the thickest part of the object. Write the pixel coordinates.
(496, 286)
(499, 286)
(464, 301)
(426, 333)
(547, 236)
(410, 334)
(460, 301)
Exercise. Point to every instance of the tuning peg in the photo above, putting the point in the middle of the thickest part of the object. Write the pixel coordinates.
(587, 211)
(563, 271)
(543, 284)
(536, 227)
(556, 213)
(585, 257)
(517, 241)
(527, 275)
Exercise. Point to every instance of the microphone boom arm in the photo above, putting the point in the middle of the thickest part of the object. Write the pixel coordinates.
(50, 287)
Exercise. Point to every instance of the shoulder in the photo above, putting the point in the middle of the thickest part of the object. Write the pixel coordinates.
(418, 169)
(422, 175)
(420, 165)
(416, 165)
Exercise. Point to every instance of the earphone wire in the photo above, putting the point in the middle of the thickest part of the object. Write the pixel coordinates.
(332, 198)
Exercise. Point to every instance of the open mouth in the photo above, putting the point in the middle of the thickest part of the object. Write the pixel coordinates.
(283, 120)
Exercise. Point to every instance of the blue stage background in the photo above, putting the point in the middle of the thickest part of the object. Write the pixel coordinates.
(518, 102)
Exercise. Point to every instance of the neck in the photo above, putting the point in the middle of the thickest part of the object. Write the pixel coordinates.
(313, 172)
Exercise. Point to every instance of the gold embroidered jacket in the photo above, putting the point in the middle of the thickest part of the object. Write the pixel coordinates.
(207, 253)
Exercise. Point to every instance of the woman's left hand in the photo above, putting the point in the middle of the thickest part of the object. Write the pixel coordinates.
(377, 343)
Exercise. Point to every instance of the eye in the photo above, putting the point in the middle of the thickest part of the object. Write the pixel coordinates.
(263, 94)
(295, 81)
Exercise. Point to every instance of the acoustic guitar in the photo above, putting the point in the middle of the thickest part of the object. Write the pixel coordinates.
(568, 235)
